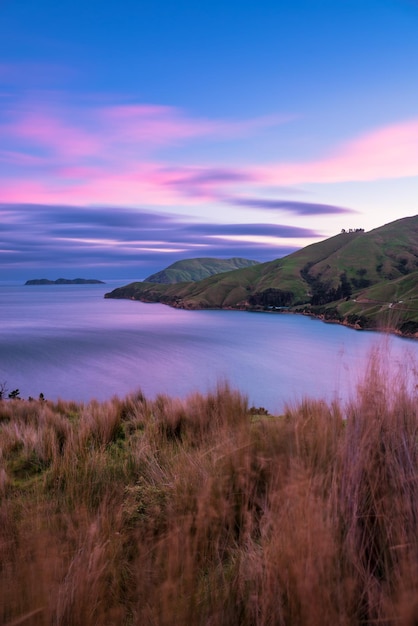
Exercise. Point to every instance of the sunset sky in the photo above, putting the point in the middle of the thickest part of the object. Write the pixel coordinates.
(133, 134)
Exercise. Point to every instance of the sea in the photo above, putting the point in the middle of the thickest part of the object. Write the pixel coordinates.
(69, 342)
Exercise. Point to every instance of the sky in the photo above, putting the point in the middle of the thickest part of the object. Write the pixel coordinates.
(138, 133)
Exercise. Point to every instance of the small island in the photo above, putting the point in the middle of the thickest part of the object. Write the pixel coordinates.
(64, 281)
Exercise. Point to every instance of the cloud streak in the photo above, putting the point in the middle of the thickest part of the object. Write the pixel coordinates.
(296, 208)
(111, 238)
(102, 153)
(111, 154)
(384, 153)
(60, 161)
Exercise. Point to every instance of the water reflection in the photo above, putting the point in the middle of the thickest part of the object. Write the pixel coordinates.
(68, 341)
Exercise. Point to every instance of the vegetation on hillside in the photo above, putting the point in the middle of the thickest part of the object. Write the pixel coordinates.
(356, 278)
(202, 511)
(192, 270)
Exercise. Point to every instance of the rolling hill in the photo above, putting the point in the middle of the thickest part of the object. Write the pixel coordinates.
(365, 280)
(192, 270)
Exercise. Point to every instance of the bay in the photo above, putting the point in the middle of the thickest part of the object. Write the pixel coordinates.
(68, 342)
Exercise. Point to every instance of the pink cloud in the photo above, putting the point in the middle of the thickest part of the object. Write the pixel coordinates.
(106, 154)
(147, 184)
(52, 133)
(109, 136)
(25, 192)
(153, 124)
(389, 152)
(100, 154)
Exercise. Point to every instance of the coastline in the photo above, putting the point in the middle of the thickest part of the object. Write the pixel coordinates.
(178, 303)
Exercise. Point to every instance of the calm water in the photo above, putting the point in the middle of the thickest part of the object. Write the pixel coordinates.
(68, 341)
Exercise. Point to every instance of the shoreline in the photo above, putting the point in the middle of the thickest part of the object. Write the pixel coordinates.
(319, 316)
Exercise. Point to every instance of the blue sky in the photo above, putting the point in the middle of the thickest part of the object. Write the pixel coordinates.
(138, 133)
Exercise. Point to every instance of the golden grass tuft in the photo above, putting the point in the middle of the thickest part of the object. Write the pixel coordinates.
(171, 512)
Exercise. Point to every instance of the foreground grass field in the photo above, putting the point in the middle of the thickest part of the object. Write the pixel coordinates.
(196, 512)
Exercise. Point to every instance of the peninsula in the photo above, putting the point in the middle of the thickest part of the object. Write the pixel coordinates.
(366, 280)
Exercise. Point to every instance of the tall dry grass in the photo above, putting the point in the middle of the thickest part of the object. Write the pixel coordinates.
(173, 512)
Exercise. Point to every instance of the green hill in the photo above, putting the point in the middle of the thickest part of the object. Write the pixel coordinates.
(366, 280)
(192, 270)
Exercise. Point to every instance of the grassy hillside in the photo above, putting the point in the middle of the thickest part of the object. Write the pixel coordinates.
(320, 278)
(388, 305)
(199, 511)
(192, 270)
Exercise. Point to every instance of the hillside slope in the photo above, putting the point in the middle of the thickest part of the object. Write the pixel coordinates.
(192, 270)
(355, 278)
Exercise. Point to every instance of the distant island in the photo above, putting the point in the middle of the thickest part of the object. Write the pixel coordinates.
(64, 281)
(363, 280)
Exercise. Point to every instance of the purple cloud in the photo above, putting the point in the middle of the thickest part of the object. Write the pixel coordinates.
(212, 175)
(266, 230)
(297, 208)
(121, 242)
(206, 182)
